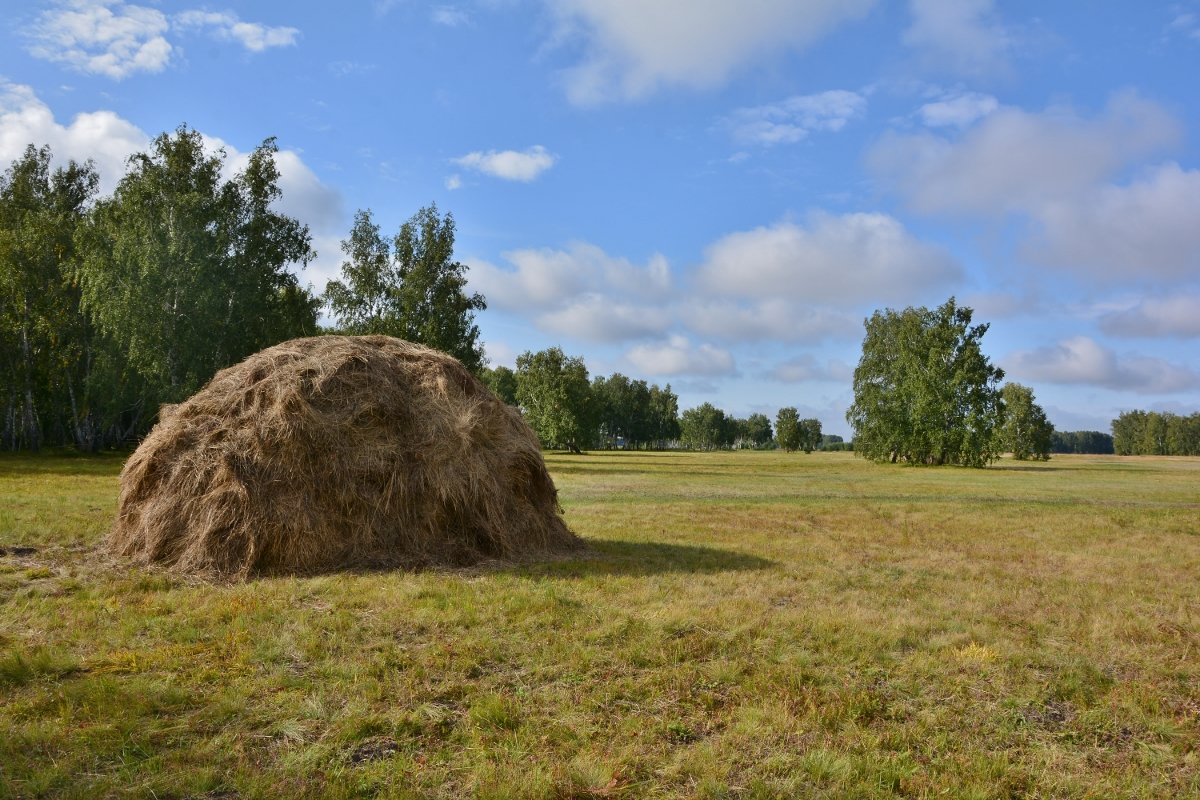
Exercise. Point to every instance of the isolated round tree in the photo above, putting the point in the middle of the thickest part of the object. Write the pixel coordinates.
(333, 452)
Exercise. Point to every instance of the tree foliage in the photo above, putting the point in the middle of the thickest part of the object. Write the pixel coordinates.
(810, 434)
(1026, 432)
(754, 431)
(502, 381)
(787, 429)
(706, 427)
(924, 392)
(1156, 433)
(189, 272)
(664, 415)
(42, 332)
(623, 410)
(554, 394)
(410, 287)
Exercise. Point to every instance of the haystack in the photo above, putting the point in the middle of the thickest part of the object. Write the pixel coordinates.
(338, 452)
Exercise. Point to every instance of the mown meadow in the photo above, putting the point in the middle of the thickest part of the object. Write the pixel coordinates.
(745, 625)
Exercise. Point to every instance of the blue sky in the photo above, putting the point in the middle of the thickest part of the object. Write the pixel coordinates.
(711, 194)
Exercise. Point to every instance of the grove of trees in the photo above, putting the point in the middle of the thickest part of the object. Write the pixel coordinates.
(794, 433)
(706, 427)
(409, 287)
(554, 394)
(113, 306)
(924, 392)
(1025, 432)
(1156, 433)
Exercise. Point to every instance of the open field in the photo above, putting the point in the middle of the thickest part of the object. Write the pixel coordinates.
(749, 625)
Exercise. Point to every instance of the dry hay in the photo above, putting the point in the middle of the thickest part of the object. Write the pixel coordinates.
(338, 452)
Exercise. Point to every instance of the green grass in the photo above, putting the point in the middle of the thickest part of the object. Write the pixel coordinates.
(749, 625)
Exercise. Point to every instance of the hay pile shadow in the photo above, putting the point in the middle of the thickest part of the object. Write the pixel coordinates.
(338, 452)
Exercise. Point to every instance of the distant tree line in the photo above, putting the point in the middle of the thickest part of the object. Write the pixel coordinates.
(1156, 433)
(1081, 442)
(569, 410)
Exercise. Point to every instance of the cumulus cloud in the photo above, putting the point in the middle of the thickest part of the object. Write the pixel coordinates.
(793, 119)
(806, 367)
(253, 36)
(678, 356)
(632, 49)
(102, 136)
(1177, 316)
(510, 165)
(1015, 160)
(1083, 360)
(844, 259)
(990, 305)
(449, 16)
(961, 35)
(597, 318)
(115, 39)
(500, 353)
(1055, 169)
(580, 291)
(958, 111)
(1186, 23)
(108, 140)
(1144, 230)
(103, 38)
(773, 319)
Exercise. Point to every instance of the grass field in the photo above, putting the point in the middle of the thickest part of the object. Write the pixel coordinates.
(748, 625)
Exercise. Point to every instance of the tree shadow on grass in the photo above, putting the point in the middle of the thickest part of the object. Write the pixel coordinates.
(614, 557)
(67, 464)
(1024, 468)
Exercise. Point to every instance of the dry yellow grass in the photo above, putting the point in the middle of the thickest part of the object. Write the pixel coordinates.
(749, 625)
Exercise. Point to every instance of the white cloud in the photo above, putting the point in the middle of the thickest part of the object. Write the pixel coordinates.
(345, 69)
(511, 165)
(1176, 315)
(1186, 23)
(793, 119)
(454, 182)
(580, 291)
(634, 48)
(253, 36)
(500, 353)
(990, 305)
(806, 368)
(115, 39)
(960, 35)
(109, 140)
(1145, 230)
(304, 196)
(102, 136)
(449, 16)
(328, 263)
(597, 318)
(101, 37)
(773, 319)
(1082, 360)
(958, 111)
(678, 356)
(844, 259)
(1014, 160)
